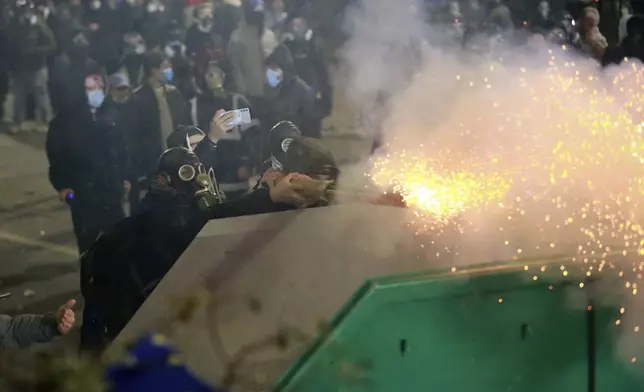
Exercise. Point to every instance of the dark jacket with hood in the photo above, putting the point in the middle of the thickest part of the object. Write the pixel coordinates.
(292, 100)
(311, 67)
(126, 263)
(87, 154)
(144, 125)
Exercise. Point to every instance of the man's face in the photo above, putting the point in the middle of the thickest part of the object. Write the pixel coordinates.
(120, 94)
(158, 72)
(94, 83)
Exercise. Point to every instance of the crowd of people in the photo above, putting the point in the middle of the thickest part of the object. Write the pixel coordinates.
(138, 99)
(112, 82)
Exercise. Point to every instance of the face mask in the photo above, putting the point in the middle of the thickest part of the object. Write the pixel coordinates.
(168, 74)
(273, 77)
(153, 7)
(95, 98)
(139, 49)
(96, 4)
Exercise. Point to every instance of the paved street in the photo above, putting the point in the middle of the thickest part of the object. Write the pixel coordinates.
(38, 256)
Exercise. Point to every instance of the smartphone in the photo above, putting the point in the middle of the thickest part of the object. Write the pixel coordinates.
(242, 117)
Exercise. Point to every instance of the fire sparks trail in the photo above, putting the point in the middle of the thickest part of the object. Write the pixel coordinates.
(553, 158)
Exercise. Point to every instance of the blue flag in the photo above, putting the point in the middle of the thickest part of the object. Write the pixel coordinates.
(152, 365)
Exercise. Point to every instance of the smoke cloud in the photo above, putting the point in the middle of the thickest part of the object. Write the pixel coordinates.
(507, 154)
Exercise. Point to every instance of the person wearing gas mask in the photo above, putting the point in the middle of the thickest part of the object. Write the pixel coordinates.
(131, 62)
(249, 45)
(69, 70)
(288, 97)
(155, 111)
(311, 67)
(33, 42)
(86, 164)
(126, 263)
(226, 148)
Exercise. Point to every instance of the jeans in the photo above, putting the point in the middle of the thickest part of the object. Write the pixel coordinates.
(35, 83)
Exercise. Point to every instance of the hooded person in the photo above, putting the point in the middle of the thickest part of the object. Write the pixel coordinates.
(125, 265)
(311, 67)
(249, 45)
(69, 70)
(288, 97)
(87, 164)
(130, 63)
(631, 47)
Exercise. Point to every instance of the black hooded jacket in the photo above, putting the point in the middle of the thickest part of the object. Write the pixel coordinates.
(126, 263)
(86, 154)
(292, 100)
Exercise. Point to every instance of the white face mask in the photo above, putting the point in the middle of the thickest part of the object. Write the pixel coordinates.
(96, 4)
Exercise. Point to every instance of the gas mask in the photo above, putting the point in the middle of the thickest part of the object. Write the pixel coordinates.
(184, 172)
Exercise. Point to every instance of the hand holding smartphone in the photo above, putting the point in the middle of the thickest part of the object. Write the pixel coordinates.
(240, 117)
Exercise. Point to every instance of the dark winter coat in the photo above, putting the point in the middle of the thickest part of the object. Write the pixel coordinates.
(311, 67)
(126, 263)
(87, 153)
(293, 100)
(144, 126)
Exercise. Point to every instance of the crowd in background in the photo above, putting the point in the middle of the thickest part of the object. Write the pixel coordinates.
(112, 81)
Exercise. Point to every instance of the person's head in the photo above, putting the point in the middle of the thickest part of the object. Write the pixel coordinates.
(214, 77)
(626, 9)
(157, 67)
(279, 67)
(635, 29)
(119, 87)
(80, 43)
(253, 11)
(94, 91)
(279, 141)
(204, 14)
(310, 157)
(134, 43)
(589, 19)
(544, 8)
(276, 6)
(180, 169)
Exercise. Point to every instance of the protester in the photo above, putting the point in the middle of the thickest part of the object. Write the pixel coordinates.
(311, 68)
(226, 19)
(130, 63)
(288, 97)
(542, 21)
(632, 46)
(175, 51)
(275, 16)
(156, 109)
(25, 330)
(626, 11)
(199, 35)
(33, 41)
(126, 264)
(593, 42)
(69, 71)
(104, 24)
(86, 164)
(249, 45)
